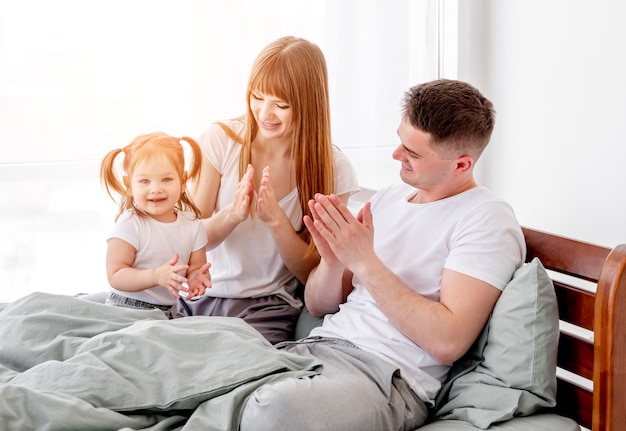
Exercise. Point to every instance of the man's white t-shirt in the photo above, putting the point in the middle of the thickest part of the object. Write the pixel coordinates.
(472, 233)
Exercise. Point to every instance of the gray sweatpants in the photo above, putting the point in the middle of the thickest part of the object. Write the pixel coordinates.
(356, 390)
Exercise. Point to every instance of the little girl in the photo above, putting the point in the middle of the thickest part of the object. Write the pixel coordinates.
(157, 247)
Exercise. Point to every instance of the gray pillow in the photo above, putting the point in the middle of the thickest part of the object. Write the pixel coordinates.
(511, 369)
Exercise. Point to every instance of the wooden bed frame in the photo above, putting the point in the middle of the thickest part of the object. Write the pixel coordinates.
(600, 358)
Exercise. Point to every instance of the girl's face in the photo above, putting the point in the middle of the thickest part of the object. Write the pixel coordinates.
(272, 115)
(156, 188)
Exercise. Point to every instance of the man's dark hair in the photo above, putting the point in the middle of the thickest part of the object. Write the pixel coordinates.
(458, 117)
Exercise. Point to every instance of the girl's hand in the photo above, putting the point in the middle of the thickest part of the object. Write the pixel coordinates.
(167, 276)
(199, 281)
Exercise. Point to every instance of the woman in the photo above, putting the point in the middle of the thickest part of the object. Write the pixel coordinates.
(258, 173)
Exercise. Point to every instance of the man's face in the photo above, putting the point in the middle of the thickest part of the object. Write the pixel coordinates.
(422, 166)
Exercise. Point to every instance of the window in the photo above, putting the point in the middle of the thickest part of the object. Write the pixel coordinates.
(78, 79)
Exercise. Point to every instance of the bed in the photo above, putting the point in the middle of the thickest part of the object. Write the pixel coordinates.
(66, 363)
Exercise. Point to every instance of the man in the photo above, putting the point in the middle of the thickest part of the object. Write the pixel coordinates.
(407, 286)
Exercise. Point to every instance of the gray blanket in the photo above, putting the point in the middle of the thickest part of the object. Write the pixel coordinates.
(68, 364)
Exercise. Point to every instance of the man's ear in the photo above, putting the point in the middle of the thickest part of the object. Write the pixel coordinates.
(464, 164)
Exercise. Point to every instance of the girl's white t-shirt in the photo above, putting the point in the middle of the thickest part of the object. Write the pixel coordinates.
(247, 263)
(156, 243)
(473, 233)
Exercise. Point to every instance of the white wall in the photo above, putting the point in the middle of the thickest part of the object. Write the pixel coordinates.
(556, 72)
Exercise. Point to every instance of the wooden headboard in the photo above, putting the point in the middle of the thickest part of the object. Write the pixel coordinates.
(600, 357)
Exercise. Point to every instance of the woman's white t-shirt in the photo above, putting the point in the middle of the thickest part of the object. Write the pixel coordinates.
(247, 263)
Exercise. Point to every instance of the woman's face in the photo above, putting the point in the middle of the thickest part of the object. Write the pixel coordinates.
(272, 115)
